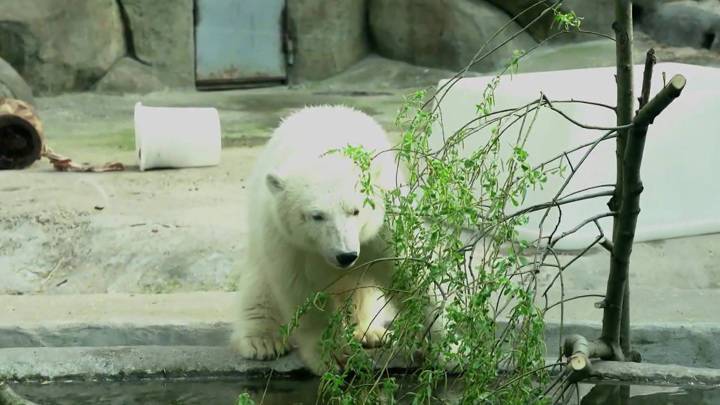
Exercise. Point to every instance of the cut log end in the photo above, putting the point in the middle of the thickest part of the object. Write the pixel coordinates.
(20, 142)
(678, 82)
(578, 362)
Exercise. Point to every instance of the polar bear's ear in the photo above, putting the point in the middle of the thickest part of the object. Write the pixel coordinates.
(274, 183)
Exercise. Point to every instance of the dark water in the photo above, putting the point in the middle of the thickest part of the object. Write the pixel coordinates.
(286, 391)
(276, 391)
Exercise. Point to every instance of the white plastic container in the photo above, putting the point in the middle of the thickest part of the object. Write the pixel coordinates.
(168, 137)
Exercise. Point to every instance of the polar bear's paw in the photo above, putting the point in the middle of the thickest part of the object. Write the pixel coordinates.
(260, 347)
(313, 361)
(371, 337)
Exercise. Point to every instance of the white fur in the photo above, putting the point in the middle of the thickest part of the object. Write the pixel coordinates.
(290, 255)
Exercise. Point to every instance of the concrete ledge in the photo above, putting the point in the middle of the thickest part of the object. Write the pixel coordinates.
(201, 318)
(109, 334)
(642, 373)
(43, 363)
(113, 335)
(117, 309)
(695, 345)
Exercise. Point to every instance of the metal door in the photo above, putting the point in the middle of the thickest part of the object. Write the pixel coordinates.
(238, 42)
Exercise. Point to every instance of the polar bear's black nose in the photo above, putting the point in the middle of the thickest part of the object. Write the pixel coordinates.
(346, 259)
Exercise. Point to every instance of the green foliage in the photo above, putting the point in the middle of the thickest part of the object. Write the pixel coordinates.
(318, 301)
(566, 21)
(492, 338)
(427, 222)
(458, 260)
(512, 66)
(362, 159)
(245, 399)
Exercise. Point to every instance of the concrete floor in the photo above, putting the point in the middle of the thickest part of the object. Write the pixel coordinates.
(174, 231)
(160, 231)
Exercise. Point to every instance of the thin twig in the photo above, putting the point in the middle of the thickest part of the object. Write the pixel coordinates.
(580, 124)
(562, 201)
(577, 297)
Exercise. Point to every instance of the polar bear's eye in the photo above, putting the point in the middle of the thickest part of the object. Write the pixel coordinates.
(356, 212)
(317, 216)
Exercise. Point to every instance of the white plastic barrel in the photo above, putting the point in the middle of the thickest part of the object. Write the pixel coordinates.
(170, 137)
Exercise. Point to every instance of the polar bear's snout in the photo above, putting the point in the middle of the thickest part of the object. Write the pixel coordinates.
(346, 259)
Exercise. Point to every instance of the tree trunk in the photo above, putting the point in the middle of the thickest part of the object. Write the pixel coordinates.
(617, 280)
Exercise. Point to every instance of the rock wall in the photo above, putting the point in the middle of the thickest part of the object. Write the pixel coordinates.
(530, 13)
(675, 23)
(597, 15)
(12, 84)
(327, 36)
(443, 33)
(162, 36)
(128, 75)
(61, 46)
(107, 45)
(686, 23)
(146, 45)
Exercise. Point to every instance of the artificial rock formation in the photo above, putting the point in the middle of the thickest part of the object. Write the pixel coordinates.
(443, 33)
(129, 76)
(327, 36)
(686, 23)
(61, 46)
(161, 35)
(12, 84)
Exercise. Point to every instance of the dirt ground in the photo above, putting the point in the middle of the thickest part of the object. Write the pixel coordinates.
(179, 230)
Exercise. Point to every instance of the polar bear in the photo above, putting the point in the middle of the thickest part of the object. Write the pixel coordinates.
(311, 229)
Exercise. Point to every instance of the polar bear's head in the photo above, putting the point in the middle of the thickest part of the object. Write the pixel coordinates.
(319, 208)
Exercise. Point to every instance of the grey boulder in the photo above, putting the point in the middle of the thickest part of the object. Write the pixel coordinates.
(162, 36)
(12, 84)
(129, 76)
(444, 33)
(63, 45)
(686, 23)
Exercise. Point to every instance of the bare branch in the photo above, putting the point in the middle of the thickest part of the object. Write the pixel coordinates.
(607, 244)
(576, 101)
(647, 114)
(593, 144)
(562, 268)
(562, 201)
(548, 103)
(577, 297)
(587, 189)
(650, 61)
(579, 226)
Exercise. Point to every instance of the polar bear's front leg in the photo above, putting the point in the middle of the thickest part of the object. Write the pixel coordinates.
(257, 330)
(308, 337)
(373, 312)
(308, 343)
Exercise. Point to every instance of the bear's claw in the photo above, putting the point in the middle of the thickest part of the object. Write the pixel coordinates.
(371, 337)
(261, 347)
